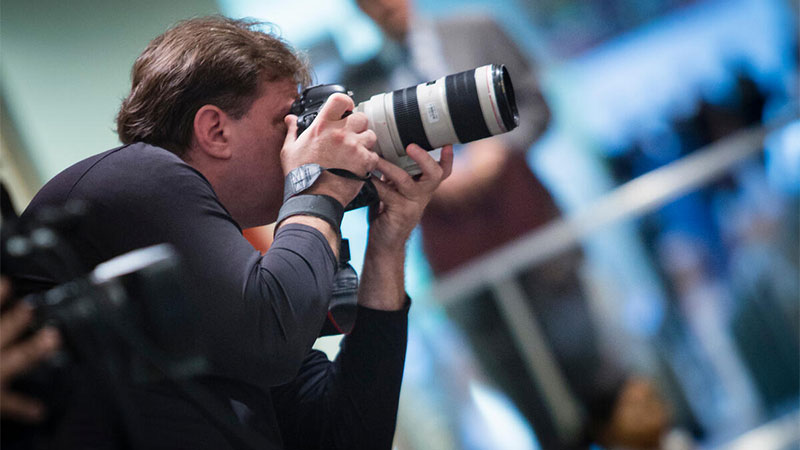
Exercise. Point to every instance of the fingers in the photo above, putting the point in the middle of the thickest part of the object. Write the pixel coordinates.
(20, 357)
(446, 161)
(430, 168)
(357, 122)
(14, 322)
(432, 172)
(394, 173)
(368, 138)
(291, 129)
(5, 290)
(21, 408)
(335, 107)
(371, 160)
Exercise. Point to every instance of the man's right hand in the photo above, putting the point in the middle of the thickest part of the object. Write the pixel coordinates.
(332, 141)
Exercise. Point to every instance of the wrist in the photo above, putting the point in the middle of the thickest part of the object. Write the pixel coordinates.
(318, 211)
(388, 242)
(341, 188)
(383, 279)
(386, 252)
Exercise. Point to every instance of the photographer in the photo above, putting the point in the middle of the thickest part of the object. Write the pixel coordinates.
(208, 144)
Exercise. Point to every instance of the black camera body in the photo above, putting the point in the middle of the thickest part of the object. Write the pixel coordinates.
(128, 321)
(128, 310)
(306, 108)
(310, 102)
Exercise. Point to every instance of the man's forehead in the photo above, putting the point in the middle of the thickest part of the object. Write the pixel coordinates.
(279, 90)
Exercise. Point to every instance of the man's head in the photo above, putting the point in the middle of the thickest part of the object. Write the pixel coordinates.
(215, 92)
(210, 60)
(392, 16)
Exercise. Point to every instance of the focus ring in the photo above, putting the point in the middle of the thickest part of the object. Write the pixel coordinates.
(407, 118)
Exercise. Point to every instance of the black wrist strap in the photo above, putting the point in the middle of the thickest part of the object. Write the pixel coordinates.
(324, 207)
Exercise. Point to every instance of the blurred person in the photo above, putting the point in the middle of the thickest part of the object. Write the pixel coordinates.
(491, 198)
(20, 353)
(207, 144)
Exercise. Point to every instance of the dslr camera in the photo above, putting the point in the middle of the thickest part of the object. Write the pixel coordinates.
(129, 320)
(457, 108)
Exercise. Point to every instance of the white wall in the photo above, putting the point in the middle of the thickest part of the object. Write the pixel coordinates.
(65, 68)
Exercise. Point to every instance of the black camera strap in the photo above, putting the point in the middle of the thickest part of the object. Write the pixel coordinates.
(303, 177)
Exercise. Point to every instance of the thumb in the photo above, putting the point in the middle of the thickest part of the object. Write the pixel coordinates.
(335, 107)
(291, 129)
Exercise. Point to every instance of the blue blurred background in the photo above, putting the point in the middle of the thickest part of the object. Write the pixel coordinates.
(692, 277)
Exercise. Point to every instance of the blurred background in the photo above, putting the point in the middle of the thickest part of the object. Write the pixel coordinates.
(673, 153)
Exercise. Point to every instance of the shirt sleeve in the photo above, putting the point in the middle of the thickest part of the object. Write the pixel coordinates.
(350, 402)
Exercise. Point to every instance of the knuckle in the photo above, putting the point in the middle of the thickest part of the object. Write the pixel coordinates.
(370, 137)
(372, 160)
(367, 164)
(341, 98)
(338, 136)
(359, 120)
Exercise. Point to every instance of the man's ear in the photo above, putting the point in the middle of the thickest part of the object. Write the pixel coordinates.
(209, 132)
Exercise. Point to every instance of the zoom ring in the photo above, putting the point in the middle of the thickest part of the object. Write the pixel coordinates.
(408, 120)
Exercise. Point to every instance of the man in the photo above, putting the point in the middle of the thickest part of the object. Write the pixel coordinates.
(492, 198)
(208, 143)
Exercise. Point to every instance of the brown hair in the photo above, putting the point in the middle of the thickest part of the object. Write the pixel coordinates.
(209, 60)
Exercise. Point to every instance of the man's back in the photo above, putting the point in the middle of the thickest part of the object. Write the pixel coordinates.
(139, 195)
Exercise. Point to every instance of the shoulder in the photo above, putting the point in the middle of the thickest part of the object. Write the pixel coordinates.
(139, 166)
(140, 160)
(127, 175)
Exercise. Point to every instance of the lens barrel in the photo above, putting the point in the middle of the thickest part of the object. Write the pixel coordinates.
(458, 108)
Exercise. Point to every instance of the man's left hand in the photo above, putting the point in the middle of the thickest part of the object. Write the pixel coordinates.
(404, 198)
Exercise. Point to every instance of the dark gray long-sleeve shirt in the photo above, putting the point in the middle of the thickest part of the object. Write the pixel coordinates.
(258, 315)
